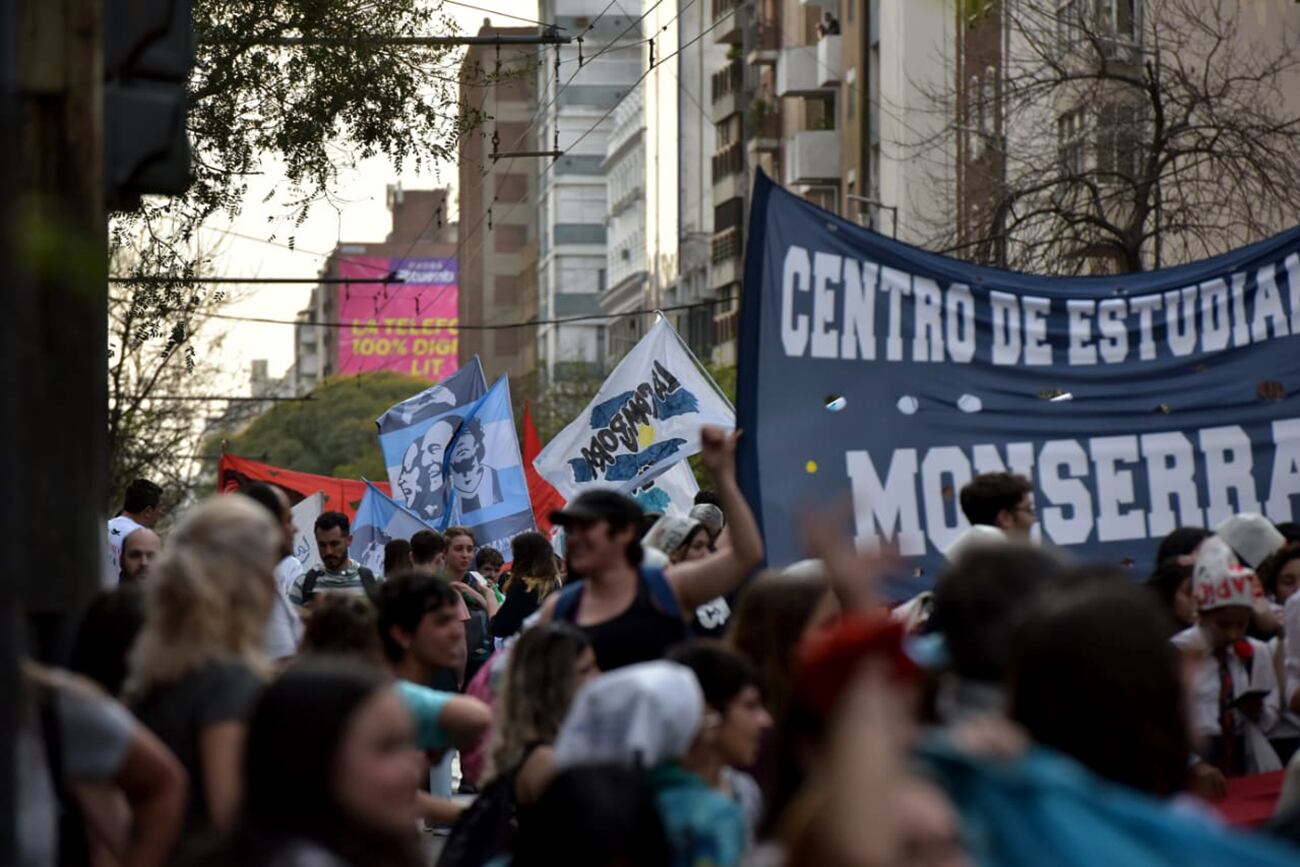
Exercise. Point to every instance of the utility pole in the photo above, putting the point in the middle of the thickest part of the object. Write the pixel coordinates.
(62, 329)
(54, 339)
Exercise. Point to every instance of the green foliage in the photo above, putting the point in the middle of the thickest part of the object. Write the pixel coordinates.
(311, 110)
(725, 377)
(333, 434)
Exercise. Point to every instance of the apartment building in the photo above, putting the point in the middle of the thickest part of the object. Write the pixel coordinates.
(498, 93)
(571, 198)
(625, 267)
(1055, 111)
(679, 176)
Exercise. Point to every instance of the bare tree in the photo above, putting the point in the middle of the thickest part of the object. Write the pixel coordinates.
(1105, 136)
(155, 370)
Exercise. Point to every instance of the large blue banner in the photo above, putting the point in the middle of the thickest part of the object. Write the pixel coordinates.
(875, 371)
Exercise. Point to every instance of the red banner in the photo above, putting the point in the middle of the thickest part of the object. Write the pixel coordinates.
(341, 495)
(545, 498)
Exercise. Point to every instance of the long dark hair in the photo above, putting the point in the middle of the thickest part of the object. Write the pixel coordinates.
(290, 769)
(534, 564)
(1093, 674)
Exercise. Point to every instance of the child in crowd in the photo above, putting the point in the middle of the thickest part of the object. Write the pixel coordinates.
(734, 725)
(1234, 693)
(488, 563)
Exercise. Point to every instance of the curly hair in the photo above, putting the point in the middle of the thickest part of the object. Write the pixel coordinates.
(538, 687)
(209, 594)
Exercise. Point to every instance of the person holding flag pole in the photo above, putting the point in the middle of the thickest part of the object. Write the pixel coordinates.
(632, 612)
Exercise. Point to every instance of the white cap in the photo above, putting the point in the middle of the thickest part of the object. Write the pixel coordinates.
(976, 536)
(637, 716)
(670, 532)
(814, 568)
(1251, 536)
(1219, 581)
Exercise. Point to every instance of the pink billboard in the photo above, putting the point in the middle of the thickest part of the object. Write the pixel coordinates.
(407, 327)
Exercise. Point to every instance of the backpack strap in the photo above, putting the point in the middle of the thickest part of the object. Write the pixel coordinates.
(368, 582)
(661, 592)
(566, 605)
(309, 585)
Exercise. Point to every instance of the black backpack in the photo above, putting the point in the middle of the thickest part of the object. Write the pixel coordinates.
(488, 827)
(479, 644)
(368, 583)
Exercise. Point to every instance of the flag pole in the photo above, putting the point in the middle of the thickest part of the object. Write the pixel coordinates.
(700, 367)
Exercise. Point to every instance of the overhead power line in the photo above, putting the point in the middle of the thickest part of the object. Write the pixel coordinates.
(503, 14)
(492, 326)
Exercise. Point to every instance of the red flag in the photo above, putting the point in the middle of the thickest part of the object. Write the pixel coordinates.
(545, 498)
(341, 495)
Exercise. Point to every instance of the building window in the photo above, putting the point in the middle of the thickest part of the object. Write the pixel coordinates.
(1070, 146)
(1077, 20)
(1119, 148)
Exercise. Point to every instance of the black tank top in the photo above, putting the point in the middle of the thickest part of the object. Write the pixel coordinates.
(641, 633)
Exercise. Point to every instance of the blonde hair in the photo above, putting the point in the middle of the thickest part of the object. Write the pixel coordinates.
(538, 687)
(209, 594)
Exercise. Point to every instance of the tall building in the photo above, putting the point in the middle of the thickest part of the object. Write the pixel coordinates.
(422, 228)
(498, 92)
(1091, 135)
(679, 146)
(834, 100)
(576, 118)
(626, 281)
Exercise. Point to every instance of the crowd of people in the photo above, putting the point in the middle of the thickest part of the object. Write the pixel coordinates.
(637, 695)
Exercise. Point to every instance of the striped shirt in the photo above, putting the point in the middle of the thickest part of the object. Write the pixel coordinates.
(346, 580)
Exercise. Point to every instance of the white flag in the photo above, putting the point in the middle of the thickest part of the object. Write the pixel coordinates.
(305, 514)
(645, 418)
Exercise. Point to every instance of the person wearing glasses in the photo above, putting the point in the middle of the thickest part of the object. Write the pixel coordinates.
(1001, 500)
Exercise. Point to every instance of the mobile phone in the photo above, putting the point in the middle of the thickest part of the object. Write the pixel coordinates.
(1248, 695)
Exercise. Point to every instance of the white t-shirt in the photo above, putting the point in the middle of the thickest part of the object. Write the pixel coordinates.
(1258, 675)
(283, 626)
(118, 529)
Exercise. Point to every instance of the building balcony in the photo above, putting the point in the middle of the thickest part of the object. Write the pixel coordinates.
(812, 156)
(763, 134)
(728, 91)
(729, 31)
(729, 173)
(767, 43)
(725, 257)
(797, 73)
(828, 60)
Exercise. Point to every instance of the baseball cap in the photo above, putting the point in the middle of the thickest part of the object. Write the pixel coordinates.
(598, 505)
(710, 516)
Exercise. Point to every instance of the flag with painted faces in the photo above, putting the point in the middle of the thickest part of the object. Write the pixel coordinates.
(486, 489)
(414, 435)
(645, 418)
(379, 521)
